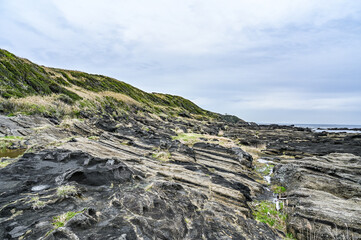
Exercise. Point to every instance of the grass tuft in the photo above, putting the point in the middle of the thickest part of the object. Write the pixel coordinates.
(95, 138)
(278, 189)
(66, 191)
(265, 211)
(37, 203)
(265, 169)
(188, 138)
(8, 141)
(4, 163)
(192, 138)
(163, 156)
(60, 221)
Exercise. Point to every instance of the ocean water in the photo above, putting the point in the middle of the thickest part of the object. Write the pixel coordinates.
(326, 127)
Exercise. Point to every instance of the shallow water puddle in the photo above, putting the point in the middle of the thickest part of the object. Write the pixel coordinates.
(11, 153)
(39, 188)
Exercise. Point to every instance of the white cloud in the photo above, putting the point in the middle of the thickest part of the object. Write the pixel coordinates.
(206, 50)
(193, 27)
(188, 27)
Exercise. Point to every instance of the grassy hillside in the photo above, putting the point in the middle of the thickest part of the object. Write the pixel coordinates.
(32, 89)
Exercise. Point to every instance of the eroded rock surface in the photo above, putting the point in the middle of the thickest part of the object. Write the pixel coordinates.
(118, 200)
(123, 191)
(324, 196)
(132, 180)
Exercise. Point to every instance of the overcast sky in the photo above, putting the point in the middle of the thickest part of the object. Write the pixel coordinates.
(268, 61)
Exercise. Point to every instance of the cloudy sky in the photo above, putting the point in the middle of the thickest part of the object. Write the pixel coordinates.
(268, 61)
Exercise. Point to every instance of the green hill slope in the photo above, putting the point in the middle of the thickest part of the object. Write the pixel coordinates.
(28, 88)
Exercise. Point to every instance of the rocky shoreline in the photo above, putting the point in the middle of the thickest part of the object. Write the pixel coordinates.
(141, 177)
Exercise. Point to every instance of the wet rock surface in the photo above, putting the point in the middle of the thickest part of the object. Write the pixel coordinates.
(128, 178)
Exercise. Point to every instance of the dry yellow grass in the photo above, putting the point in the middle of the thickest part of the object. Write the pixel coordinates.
(154, 116)
(191, 138)
(54, 104)
(43, 101)
(120, 97)
(39, 100)
(94, 95)
(255, 152)
(82, 92)
(53, 74)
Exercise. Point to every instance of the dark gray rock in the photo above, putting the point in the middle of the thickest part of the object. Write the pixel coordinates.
(113, 201)
(323, 195)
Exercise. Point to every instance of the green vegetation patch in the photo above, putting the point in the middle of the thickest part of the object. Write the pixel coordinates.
(4, 163)
(265, 211)
(8, 141)
(264, 169)
(61, 220)
(11, 138)
(95, 138)
(278, 189)
(188, 138)
(21, 78)
(289, 236)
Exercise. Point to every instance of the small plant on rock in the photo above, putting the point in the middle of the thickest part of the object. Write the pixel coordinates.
(37, 203)
(163, 156)
(278, 189)
(66, 191)
(59, 221)
(96, 138)
(188, 138)
(4, 163)
(264, 169)
(8, 141)
(145, 128)
(289, 236)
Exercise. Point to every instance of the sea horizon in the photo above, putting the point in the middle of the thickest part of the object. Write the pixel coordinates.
(319, 127)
